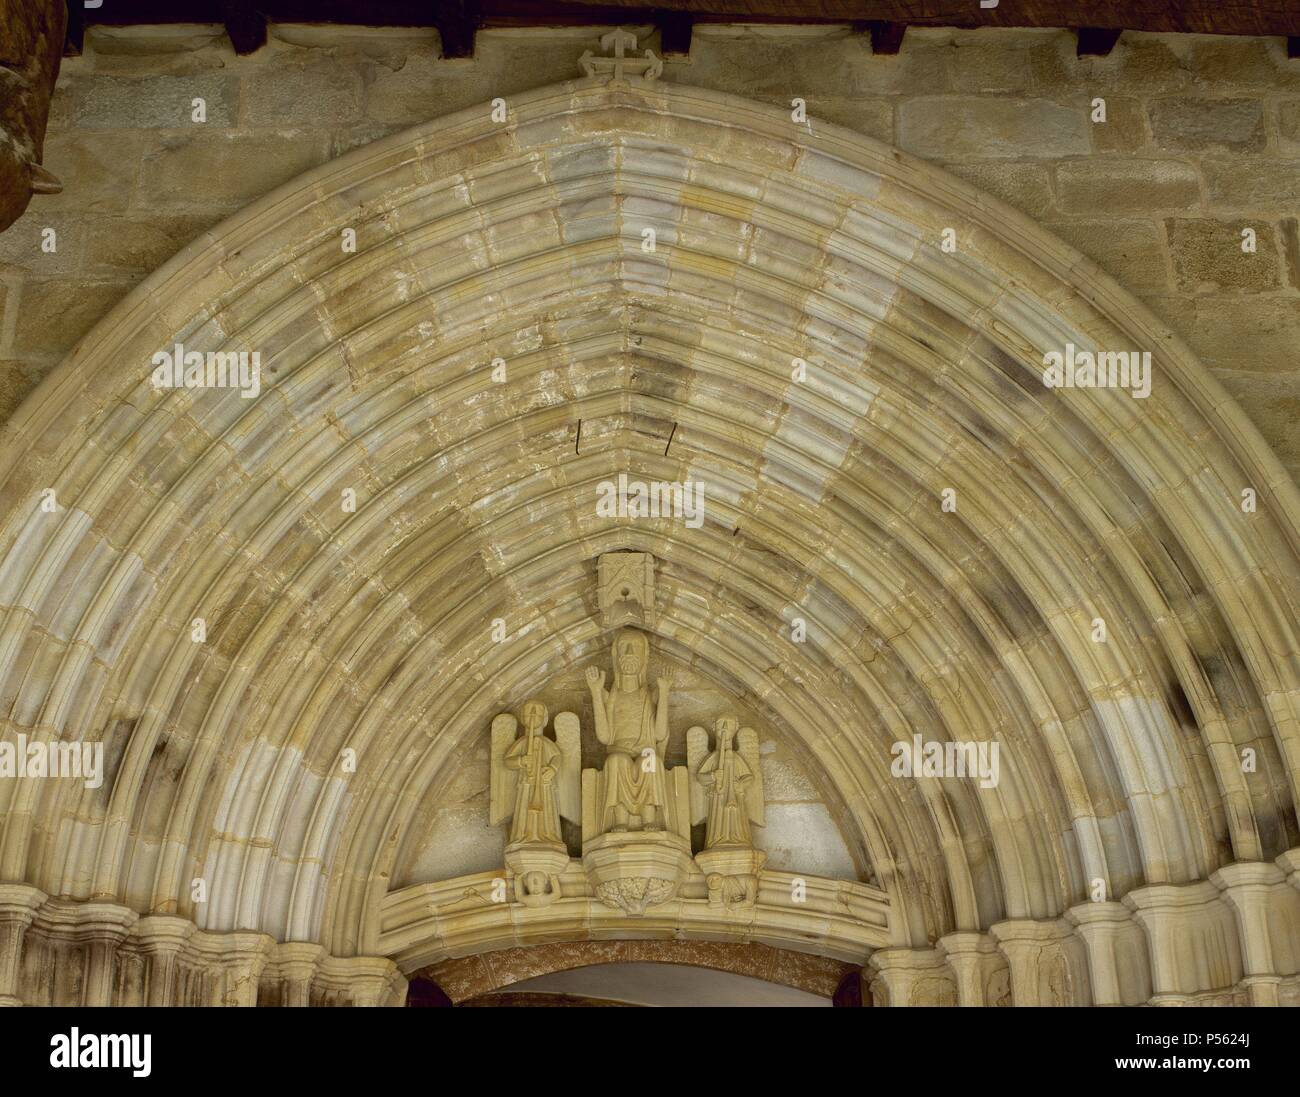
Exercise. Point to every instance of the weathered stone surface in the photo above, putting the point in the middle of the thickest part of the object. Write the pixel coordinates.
(979, 67)
(401, 96)
(1290, 231)
(925, 63)
(223, 169)
(52, 316)
(1288, 121)
(154, 42)
(126, 246)
(1273, 403)
(951, 128)
(874, 117)
(1253, 184)
(303, 95)
(18, 376)
(1126, 186)
(1147, 65)
(1240, 333)
(155, 102)
(92, 162)
(1028, 187)
(1225, 125)
(1131, 251)
(25, 245)
(1125, 128)
(1207, 255)
(1238, 62)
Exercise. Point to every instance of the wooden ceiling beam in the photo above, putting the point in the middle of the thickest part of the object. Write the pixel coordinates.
(461, 17)
(886, 37)
(74, 35)
(1096, 41)
(457, 22)
(674, 32)
(1255, 17)
(245, 25)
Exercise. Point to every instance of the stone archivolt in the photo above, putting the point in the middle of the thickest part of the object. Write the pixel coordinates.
(367, 633)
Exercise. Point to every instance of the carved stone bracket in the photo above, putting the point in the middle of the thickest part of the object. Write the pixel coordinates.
(536, 869)
(634, 870)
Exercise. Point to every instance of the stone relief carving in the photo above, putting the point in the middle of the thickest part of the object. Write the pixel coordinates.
(727, 796)
(635, 811)
(535, 888)
(626, 591)
(728, 789)
(620, 66)
(636, 838)
(634, 730)
(534, 782)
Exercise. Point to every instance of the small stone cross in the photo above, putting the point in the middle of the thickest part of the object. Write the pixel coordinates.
(620, 65)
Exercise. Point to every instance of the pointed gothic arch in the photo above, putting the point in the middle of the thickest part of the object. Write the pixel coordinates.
(369, 630)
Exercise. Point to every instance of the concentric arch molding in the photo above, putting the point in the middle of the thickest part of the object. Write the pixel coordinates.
(369, 630)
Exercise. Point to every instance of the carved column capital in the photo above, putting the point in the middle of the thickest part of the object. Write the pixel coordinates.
(971, 956)
(295, 963)
(101, 927)
(18, 906)
(160, 938)
(1170, 914)
(1023, 942)
(365, 980)
(900, 969)
(1248, 888)
(1100, 926)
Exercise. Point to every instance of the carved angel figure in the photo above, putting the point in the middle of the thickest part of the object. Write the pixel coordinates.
(728, 786)
(534, 780)
(537, 761)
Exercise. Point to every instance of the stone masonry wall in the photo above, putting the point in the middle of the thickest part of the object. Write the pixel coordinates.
(1202, 140)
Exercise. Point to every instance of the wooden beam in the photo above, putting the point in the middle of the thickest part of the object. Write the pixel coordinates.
(674, 32)
(457, 22)
(886, 38)
(1293, 46)
(460, 17)
(1096, 41)
(74, 38)
(245, 25)
(1253, 17)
